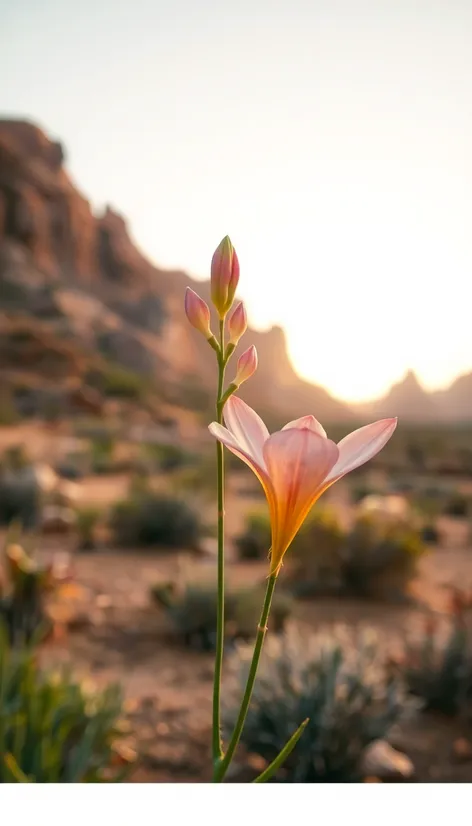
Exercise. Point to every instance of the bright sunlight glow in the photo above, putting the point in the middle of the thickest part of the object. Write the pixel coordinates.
(330, 139)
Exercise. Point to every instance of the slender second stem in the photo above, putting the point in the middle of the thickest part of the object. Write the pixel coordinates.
(261, 632)
(220, 617)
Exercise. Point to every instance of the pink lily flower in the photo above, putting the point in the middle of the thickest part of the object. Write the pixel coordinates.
(295, 465)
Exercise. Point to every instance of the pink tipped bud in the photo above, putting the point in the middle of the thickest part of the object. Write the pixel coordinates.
(224, 276)
(237, 323)
(247, 366)
(198, 313)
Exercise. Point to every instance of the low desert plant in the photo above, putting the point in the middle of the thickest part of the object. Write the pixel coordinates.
(438, 666)
(340, 683)
(376, 558)
(102, 454)
(380, 556)
(315, 562)
(458, 505)
(192, 611)
(9, 414)
(150, 519)
(117, 382)
(52, 730)
(24, 587)
(86, 525)
(166, 457)
(254, 543)
(20, 491)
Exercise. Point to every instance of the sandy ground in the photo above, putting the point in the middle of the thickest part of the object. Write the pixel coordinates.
(118, 635)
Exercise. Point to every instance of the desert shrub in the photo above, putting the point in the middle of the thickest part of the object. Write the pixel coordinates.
(314, 553)
(458, 505)
(20, 492)
(438, 666)
(427, 507)
(74, 466)
(192, 611)
(341, 684)
(254, 543)
(101, 451)
(86, 524)
(376, 558)
(196, 476)
(360, 492)
(380, 556)
(117, 382)
(9, 413)
(430, 534)
(150, 519)
(51, 729)
(24, 587)
(315, 557)
(166, 457)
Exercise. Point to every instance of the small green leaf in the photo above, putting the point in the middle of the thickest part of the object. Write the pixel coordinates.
(287, 749)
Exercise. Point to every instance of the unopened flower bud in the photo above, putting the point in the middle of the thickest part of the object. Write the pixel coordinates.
(237, 324)
(247, 366)
(198, 313)
(224, 276)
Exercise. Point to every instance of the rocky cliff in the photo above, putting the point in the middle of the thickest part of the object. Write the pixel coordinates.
(83, 279)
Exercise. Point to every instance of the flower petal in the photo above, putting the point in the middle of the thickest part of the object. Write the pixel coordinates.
(225, 437)
(247, 428)
(361, 445)
(298, 462)
(310, 422)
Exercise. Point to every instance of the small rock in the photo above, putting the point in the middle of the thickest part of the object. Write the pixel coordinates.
(255, 761)
(382, 761)
(103, 601)
(162, 729)
(209, 547)
(57, 519)
(462, 750)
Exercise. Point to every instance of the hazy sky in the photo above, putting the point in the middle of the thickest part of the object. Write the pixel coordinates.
(331, 139)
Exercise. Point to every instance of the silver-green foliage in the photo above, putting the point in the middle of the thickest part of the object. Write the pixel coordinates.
(339, 682)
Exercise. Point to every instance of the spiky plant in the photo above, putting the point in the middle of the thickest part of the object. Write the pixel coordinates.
(339, 682)
(52, 729)
(438, 665)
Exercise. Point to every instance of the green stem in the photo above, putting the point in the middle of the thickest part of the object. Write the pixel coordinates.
(220, 618)
(261, 632)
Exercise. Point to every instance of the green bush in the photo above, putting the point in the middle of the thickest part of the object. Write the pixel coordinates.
(20, 492)
(150, 519)
(360, 492)
(254, 543)
(193, 612)
(340, 683)
(86, 525)
(102, 450)
(438, 668)
(376, 558)
(458, 505)
(51, 729)
(315, 556)
(313, 553)
(117, 382)
(380, 556)
(9, 414)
